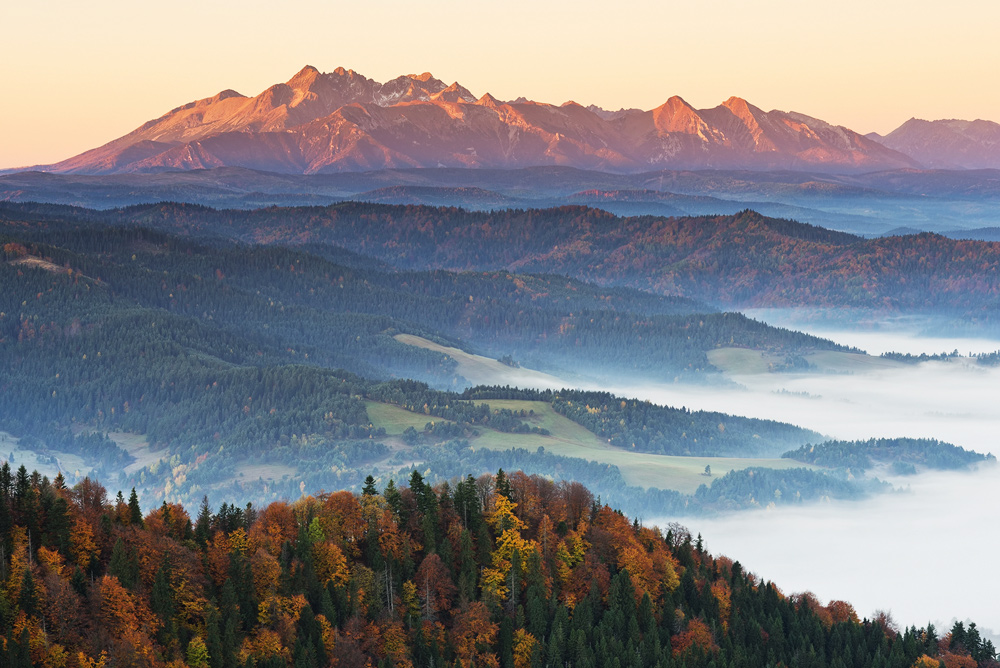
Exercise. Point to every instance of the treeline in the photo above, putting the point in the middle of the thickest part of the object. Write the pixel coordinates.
(646, 427)
(757, 487)
(505, 571)
(745, 489)
(910, 358)
(902, 454)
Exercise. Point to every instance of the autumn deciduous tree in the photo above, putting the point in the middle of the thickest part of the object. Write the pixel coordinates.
(434, 586)
(197, 654)
(81, 541)
(524, 644)
(696, 634)
(275, 525)
(266, 574)
(330, 564)
(722, 594)
(842, 611)
(473, 635)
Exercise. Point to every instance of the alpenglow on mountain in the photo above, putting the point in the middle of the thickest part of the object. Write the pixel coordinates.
(342, 121)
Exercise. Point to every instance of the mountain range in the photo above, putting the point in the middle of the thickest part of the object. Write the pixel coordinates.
(342, 121)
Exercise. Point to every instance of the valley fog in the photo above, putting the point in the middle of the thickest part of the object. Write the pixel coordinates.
(954, 401)
(926, 553)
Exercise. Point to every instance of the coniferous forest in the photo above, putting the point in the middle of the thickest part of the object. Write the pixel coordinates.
(228, 363)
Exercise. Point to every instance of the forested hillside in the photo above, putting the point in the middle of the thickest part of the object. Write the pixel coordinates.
(183, 367)
(744, 260)
(902, 455)
(340, 316)
(504, 571)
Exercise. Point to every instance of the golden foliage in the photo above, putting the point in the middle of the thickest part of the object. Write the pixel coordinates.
(84, 661)
(330, 564)
(524, 643)
(81, 542)
(264, 645)
(51, 559)
(924, 661)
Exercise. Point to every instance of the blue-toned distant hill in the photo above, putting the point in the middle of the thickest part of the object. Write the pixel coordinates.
(743, 260)
(954, 203)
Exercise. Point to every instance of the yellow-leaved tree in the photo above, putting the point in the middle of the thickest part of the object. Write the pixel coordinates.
(508, 526)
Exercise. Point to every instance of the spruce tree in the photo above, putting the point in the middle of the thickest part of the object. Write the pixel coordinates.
(134, 511)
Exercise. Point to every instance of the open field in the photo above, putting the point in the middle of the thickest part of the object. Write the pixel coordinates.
(569, 439)
(138, 446)
(480, 370)
(741, 361)
(72, 466)
(265, 471)
(395, 420)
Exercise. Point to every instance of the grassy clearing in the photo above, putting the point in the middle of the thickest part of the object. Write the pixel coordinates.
(480, 370)
(569, 439)
(395, 420)
(138, 446)
(685, 474)
(71, 466)
(741, 362)
(266, 471)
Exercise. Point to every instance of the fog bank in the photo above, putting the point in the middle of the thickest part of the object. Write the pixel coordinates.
(928, 554)
(953, 401)
(901, 334)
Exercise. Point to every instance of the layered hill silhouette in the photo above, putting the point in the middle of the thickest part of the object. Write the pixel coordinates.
(744, 260)
(342, 121)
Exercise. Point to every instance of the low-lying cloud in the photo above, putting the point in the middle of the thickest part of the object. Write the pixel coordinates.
(926, 554)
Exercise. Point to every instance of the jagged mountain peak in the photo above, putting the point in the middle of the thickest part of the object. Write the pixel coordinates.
(343, 121)
(307, 71)
(487, 100)
(454, 93)
(741, 108)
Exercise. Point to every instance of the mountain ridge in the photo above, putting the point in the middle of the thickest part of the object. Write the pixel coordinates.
(947, 143)
(342, 121)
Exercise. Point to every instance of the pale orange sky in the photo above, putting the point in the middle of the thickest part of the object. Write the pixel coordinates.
(76, 75)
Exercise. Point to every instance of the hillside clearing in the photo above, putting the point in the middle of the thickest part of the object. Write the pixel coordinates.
(569, 439)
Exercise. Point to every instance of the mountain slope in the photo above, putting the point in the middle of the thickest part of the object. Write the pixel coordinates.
(947, 144)
(342, 121)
